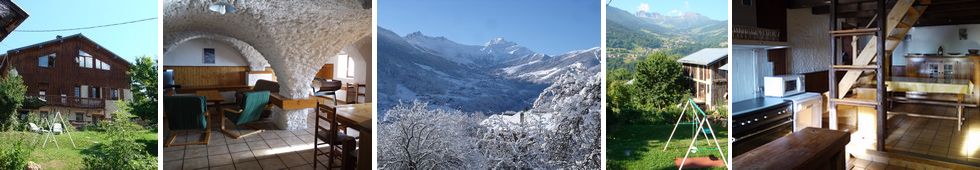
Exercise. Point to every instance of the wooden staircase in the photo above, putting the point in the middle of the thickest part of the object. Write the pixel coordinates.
(873, 60)
(899, 21)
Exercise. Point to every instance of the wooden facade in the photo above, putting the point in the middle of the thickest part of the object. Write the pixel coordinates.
(76, 76)
(709, 82)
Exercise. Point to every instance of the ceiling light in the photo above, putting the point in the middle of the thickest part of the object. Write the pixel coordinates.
(222, 7)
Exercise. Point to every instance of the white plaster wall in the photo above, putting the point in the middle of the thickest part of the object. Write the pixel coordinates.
(929, 39)
(752, 65)
(809, 41)
(190, 53)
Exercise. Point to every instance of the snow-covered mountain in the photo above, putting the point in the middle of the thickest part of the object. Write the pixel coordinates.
(493, 77)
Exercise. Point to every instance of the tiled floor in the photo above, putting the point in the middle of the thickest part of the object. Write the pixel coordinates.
(271, 149)
(929, 138)
(937, 138)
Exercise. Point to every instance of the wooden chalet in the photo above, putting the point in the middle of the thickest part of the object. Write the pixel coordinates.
(72, 75)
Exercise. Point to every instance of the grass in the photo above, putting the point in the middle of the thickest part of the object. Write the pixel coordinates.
(645, 144)
(52, 156)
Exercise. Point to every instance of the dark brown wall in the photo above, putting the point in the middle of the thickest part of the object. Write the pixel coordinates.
(66, 74)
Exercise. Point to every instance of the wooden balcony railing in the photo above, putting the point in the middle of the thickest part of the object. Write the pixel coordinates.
(68, 101)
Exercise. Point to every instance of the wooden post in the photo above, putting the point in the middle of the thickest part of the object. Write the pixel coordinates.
(832, 106)
(880, 76)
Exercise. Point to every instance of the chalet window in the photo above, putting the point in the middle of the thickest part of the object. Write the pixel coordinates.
(114, 94)
(46, 61)
(79, 116)
(94, 93)
(350, 66)
(78, 92)
(42, 94)
(84, 59)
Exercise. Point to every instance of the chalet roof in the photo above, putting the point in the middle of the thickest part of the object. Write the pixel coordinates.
(12, 16)
(62, 39)
(705, 56)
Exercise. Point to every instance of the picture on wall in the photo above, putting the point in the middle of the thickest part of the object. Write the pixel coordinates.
(963, 34)
(209, 56)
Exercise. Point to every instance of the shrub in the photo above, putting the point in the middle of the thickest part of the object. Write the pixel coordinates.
(15, 156)
(12, 90)
(119, 154)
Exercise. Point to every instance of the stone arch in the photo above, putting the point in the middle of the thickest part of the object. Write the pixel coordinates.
(255, 59)
(295, 37)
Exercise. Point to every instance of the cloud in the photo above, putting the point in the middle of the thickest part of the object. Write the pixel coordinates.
(644, 7)
(687, 5)
(675, 12)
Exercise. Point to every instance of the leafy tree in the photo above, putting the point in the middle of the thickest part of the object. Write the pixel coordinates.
(144, 88)
(12, 91)
(660, 80)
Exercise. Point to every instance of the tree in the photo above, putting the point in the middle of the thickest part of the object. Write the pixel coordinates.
(660, 79)
(416, 137)
(12, 94)
(144, 88)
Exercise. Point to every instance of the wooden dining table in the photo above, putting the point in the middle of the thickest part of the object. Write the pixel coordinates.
(211, 96)
(358, 117)
(960, 88)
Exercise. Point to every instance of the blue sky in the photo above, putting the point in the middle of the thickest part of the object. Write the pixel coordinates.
(128, 41)
(714, 9)
(546, 26)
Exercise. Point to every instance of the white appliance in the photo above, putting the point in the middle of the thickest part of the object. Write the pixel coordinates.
(782, 85)
(807, 110)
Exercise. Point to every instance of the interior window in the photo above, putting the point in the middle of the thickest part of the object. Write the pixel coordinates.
(350, 66)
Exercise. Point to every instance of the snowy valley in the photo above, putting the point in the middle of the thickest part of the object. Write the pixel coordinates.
(445, 105)
(497, 76)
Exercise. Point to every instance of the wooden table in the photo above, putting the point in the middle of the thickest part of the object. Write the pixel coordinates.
(358, 117)
(957, 87)
(810, 148)
(211, 96)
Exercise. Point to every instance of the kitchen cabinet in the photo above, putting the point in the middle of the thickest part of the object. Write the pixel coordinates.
(944, 67)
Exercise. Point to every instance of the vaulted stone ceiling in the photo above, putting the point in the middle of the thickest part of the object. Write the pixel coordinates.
(295, 37)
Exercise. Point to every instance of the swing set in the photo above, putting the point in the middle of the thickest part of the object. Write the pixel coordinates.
(56, 127)
(700, 126)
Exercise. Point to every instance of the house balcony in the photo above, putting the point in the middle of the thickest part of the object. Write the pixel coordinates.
(76, 102)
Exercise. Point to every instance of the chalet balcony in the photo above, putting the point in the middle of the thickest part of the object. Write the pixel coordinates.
(67, 101)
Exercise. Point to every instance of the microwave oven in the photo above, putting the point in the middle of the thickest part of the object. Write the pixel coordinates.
(783, 85)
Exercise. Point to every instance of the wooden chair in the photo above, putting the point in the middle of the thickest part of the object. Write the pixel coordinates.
(250, 110)
(351, 93)
(339, 145)
(327, 87)
(260, 85)
(186, 113)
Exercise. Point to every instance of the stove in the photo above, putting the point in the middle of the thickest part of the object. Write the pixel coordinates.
(758, 121)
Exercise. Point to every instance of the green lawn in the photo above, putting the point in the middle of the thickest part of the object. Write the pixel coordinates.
(52, 156)
(645, 144)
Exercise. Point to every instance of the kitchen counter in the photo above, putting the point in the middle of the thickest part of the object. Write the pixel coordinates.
(755, 104)
(810, 148)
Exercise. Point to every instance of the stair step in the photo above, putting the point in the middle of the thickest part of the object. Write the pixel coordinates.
(903, 24)
(854, 32)
(855, 67)
(912, 12)
(855, 102)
